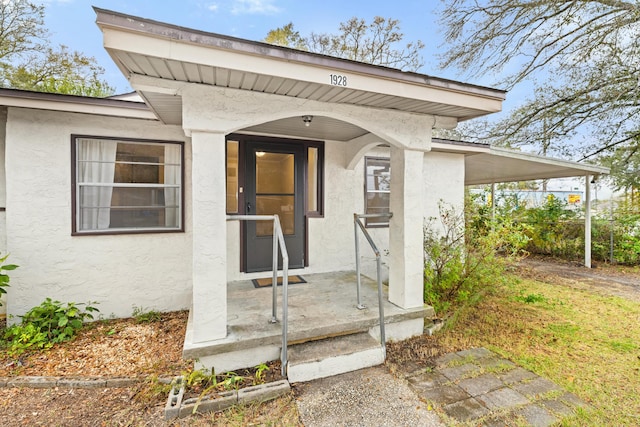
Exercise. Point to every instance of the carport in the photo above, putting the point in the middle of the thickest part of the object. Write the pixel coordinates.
(485, 164)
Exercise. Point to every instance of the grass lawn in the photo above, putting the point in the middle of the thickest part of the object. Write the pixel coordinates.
(585, 342)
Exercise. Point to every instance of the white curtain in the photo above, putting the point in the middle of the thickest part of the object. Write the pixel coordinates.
(96, 166)
(171, 178)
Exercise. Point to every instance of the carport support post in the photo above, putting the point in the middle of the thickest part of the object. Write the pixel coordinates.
(208, 173)
(493, 202)
(406, 252)
(587, 221)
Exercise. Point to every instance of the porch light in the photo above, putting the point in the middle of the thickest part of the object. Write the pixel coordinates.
(307, 120)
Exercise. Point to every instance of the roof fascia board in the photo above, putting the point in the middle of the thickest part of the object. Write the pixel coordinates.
(459, 148)
(564, 174)
(57, 102)
(195, 54)
(584, 168)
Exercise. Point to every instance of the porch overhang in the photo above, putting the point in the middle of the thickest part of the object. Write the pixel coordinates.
(485, 164)
(147, 50)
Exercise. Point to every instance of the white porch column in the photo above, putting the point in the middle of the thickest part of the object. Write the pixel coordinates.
(209, 309)
(406, 259)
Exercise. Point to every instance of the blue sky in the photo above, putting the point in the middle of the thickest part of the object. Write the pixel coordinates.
(72, 22)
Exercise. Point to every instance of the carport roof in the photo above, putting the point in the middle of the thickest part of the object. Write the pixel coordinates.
(485, 164)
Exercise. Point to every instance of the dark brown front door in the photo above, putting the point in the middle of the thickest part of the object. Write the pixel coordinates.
(274, 185)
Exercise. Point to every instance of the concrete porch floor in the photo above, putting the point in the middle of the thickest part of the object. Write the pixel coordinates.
(324, 306)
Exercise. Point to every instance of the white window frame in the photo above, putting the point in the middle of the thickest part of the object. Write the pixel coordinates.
(371, 222)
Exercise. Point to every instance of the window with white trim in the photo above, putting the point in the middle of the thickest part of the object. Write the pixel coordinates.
(126, 185)
(377, 181)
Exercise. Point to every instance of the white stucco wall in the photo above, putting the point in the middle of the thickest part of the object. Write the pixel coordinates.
(152, 271)
(331, 245)
(443, 181)
(3, 199)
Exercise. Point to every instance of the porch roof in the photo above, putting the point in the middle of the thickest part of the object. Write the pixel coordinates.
(157, 57)
(485, 164)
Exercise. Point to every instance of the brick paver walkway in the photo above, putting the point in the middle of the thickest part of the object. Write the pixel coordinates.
(478, 386)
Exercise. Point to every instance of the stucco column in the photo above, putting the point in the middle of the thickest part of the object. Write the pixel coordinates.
(3, 199)
(406, 259)
(209, 309)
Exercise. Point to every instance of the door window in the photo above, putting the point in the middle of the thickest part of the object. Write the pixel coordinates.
(275, 191)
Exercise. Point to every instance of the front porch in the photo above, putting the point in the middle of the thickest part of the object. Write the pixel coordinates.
(323, 307)
(264, 98)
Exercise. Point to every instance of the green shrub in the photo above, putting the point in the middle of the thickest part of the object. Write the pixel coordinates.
(626, 234)
(558, 231)
(553, 229)
(466, 253)
(4, 277)
(49, 323)
(25, 337)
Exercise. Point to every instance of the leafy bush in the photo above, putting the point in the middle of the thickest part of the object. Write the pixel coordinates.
(465, 254)
(558, 231)
(553, 229)
(259, 376)
(4, 277)
(49, 323)
(626, 234)
(21, 338)
(203, 381)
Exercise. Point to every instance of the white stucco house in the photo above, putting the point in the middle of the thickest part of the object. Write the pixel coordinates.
(125, 201)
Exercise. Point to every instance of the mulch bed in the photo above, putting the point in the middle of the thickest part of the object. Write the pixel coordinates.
(125, 348)
(113, 348)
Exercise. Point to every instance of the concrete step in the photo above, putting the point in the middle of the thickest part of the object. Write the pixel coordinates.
(333, 356)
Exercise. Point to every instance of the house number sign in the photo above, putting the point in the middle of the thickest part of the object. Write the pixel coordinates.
(338, 80)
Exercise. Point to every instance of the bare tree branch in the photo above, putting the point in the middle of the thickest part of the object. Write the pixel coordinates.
(584, 56)
(379, 42)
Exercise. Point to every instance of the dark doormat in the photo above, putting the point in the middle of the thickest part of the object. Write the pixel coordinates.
(266, 282)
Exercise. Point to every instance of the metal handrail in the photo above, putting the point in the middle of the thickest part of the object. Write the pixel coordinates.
(278, 242)
(358, 224)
